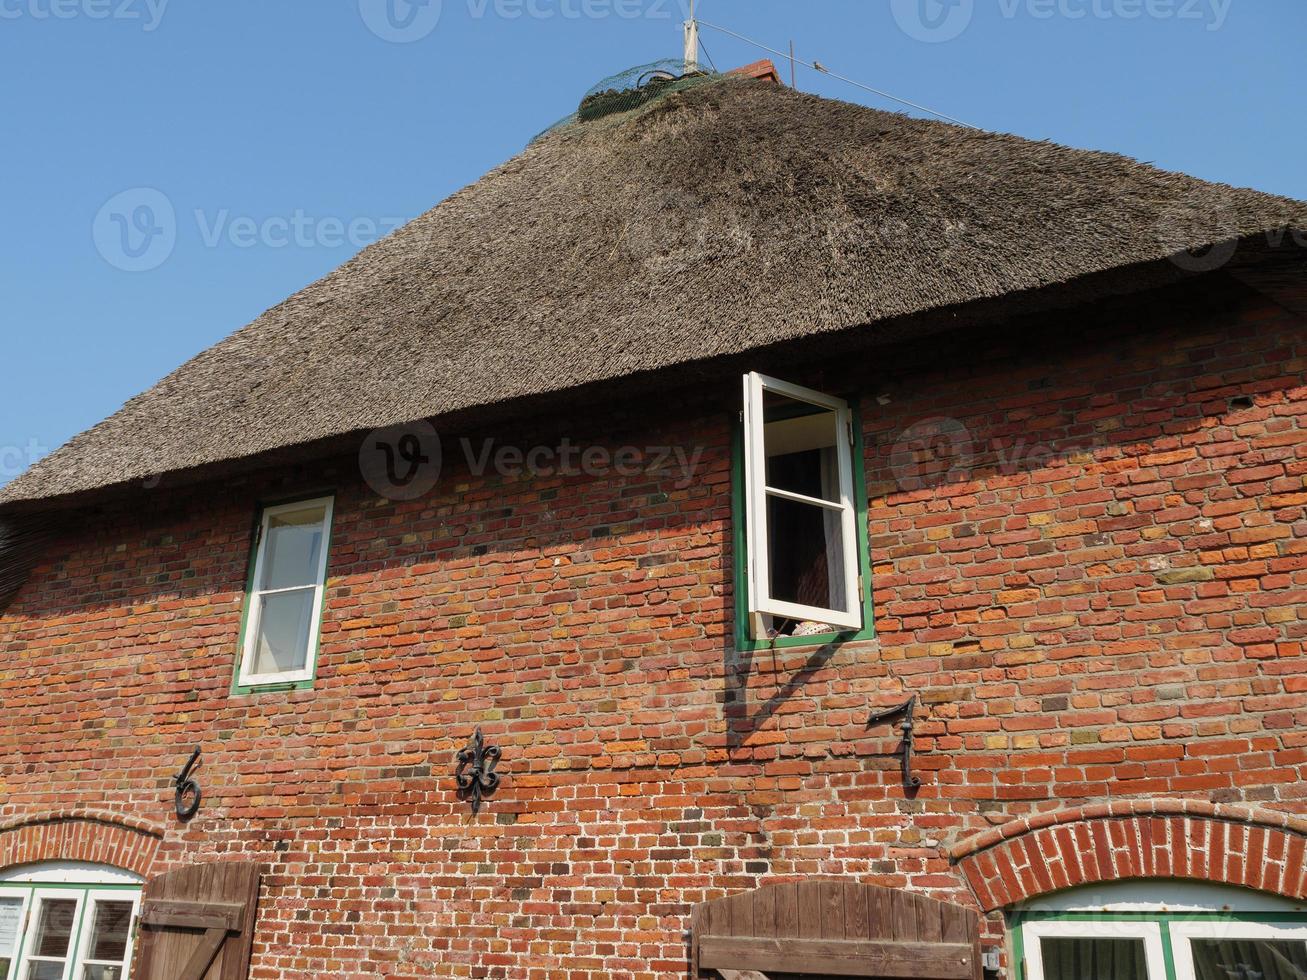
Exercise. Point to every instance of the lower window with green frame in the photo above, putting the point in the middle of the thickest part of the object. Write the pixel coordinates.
(1180, 940)
(67, 923)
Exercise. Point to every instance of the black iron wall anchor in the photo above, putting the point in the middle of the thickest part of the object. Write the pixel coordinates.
(187, 786)
(476, 774)
(906, 709)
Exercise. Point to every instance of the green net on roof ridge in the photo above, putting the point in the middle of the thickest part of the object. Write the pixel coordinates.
(631, 89)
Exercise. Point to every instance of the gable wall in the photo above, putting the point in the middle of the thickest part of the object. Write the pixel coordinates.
(1104, 600)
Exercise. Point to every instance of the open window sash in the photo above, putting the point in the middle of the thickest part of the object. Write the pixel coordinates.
(837, 504)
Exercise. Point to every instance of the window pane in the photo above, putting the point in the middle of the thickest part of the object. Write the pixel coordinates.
(54, 928)
(1094, 959)
(1249, 959)
(293, 548)
(95, 971)
(113, 922)
(11, 913)
(45, 971)
(800, 442)
(806, 554)
(284, 622)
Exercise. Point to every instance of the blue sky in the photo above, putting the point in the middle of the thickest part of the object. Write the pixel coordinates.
(280, 136)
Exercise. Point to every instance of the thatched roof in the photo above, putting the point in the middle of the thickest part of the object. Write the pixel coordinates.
(724, 218)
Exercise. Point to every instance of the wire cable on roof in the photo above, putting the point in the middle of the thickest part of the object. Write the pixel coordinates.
(817, 66)
(712, 63)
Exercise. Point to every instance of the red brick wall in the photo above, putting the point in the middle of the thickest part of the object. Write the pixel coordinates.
(1107, 602)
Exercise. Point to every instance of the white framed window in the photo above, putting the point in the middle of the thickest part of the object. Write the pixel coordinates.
(285, 600)
(1071, 950)
(800, 513)
(14, 904)
(65, 920)
(104, 949)
(1229, 949)
(50, 939)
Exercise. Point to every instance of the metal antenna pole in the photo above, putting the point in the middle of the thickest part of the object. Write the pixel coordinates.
(691, 42)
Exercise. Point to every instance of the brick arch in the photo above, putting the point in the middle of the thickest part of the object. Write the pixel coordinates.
(1251, 848)
(81, 835)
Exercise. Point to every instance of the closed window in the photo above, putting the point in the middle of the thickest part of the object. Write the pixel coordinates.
(1162, 930)
(284, 605)
(801, 512)
(67, 922)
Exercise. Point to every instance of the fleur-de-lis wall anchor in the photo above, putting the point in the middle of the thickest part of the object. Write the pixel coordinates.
(906, 709)
(187, 787)
(476, 774)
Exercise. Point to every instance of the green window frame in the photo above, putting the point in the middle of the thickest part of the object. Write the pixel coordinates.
(1173, 929)
(744, 635)
(77, 957)
(243, 681)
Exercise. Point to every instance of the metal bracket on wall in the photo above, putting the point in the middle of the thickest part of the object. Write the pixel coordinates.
(476, 774)
(187, 786)
(906, 709)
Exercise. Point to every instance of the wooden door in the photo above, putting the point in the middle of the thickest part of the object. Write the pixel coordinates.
(198, 923)
(835, 929)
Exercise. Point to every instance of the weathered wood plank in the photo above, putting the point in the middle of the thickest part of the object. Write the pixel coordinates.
(880, 922)
(903, 916)
(741, 907)
(809, 895)
(856, 925)
(787, 910)
(929, 927)
(832, 909)
(193, 915)
(764, 912)
(840, 957)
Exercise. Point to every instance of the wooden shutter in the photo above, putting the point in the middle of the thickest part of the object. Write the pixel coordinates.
(198, 923)
(835, 929)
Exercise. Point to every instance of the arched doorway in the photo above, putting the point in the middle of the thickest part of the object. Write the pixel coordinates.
(67, 920)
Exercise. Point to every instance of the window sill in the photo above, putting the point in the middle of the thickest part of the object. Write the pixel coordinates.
(272, 687)
(814, 642)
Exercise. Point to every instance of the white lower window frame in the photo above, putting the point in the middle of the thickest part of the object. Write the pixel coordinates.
(1149, 932)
